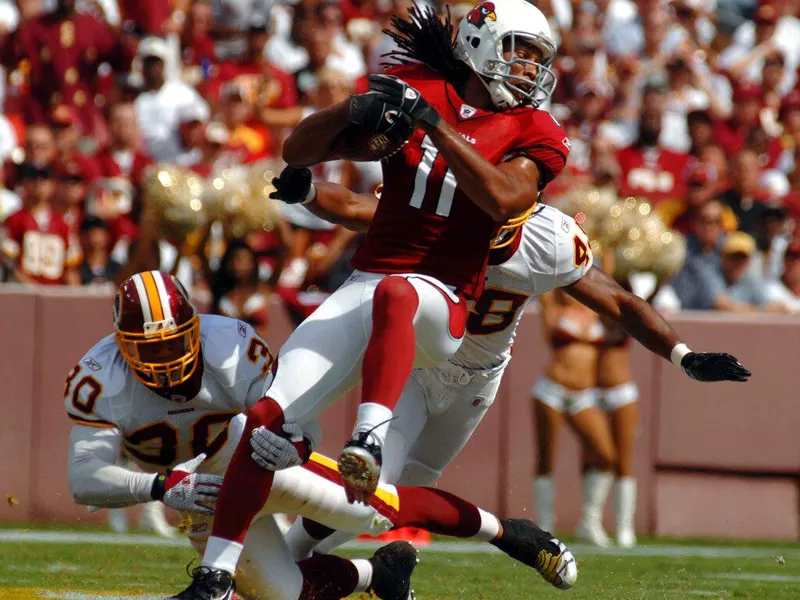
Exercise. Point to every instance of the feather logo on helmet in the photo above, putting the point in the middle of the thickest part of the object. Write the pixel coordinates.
(478, 15)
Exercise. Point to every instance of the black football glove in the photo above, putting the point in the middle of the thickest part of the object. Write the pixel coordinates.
(292, 185)
(713, 366)
(398, 93)
(372, 111)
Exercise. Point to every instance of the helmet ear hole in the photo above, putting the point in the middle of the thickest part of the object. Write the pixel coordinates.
(475, 42)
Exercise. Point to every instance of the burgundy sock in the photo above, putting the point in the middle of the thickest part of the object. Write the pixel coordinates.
(389, 356)
(438, 512)
(246, 486)
(327, 577)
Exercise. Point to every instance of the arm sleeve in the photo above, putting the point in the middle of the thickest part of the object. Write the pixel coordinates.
(94, 476)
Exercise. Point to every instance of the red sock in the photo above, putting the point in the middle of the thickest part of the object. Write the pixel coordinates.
(389, 356)
(246, 486)
(327, 577)
(438, 512)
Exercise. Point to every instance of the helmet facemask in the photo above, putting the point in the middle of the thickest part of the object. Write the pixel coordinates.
(165, 355)
(510, 90)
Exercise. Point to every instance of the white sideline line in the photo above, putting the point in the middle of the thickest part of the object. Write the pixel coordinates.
(756, 577)
(63, 537)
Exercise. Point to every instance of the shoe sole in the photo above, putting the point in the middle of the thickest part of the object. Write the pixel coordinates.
(358, 470)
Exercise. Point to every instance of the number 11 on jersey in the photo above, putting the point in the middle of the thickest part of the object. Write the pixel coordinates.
(445, 202)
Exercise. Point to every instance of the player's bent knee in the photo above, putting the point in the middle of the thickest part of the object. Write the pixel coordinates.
(419, 475)
(396, 294)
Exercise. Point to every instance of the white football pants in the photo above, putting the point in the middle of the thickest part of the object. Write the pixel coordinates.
(439, 410)
(321, 360)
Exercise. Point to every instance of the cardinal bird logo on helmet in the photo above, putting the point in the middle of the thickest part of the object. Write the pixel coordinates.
(478, 15)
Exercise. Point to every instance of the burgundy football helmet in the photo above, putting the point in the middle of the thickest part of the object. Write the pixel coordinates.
(158, 329)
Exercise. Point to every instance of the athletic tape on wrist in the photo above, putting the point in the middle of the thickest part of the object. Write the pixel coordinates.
(677, 354)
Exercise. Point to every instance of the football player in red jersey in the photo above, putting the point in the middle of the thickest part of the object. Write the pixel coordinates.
(480, 153)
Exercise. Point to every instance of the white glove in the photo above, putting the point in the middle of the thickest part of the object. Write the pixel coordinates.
(184, 490)
(275, 452)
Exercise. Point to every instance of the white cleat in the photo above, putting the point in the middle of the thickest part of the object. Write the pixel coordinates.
(117, 520)
(593, 533)
(626, 537)
(153, 519)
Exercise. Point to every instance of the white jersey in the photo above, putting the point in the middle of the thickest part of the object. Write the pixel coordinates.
(553, 252)
(157, 432)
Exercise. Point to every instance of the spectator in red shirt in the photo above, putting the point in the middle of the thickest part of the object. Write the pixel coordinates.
(70, 198)
(64, 49)
(123, 156)
(197, 45)
(212, 153)
(746, 117)
(67, 129)
(249, 139)
(646, 169)
(265, 83)
(154, 17)
(789, 116)
(36, 244)
(40, 150)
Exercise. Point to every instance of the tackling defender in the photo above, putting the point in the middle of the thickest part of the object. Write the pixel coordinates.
(479, 153)
(436, 414)
(171, 386)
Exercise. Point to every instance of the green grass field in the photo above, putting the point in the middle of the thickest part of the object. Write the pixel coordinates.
(90, 565)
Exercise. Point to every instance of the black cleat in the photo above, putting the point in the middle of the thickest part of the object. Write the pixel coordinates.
(360, 467)
(524, 541)
(392, 566)
(208, 584)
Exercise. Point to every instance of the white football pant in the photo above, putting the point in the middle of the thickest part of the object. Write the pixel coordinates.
(321, 360)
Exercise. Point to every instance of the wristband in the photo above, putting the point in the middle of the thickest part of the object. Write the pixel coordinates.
(677, 354)
(159, 486)
(311, 195)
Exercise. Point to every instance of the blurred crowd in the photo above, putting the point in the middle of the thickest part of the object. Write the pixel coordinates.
(692, 105)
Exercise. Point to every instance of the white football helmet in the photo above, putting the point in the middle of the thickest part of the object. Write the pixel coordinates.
(479, 43)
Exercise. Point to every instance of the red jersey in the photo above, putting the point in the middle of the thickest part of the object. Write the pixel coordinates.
(132, 169)
(652, 173)
(424, 223)
(42, 250)
(63, 55)
(264, 84)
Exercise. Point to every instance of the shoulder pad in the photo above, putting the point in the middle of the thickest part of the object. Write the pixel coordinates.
(93, 384)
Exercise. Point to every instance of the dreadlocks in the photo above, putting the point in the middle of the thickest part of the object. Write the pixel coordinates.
(425, 38)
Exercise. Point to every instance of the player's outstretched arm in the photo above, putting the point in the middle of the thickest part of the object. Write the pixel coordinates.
(601, 293)
(96, 479)
(94, 476)
(332, 202)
